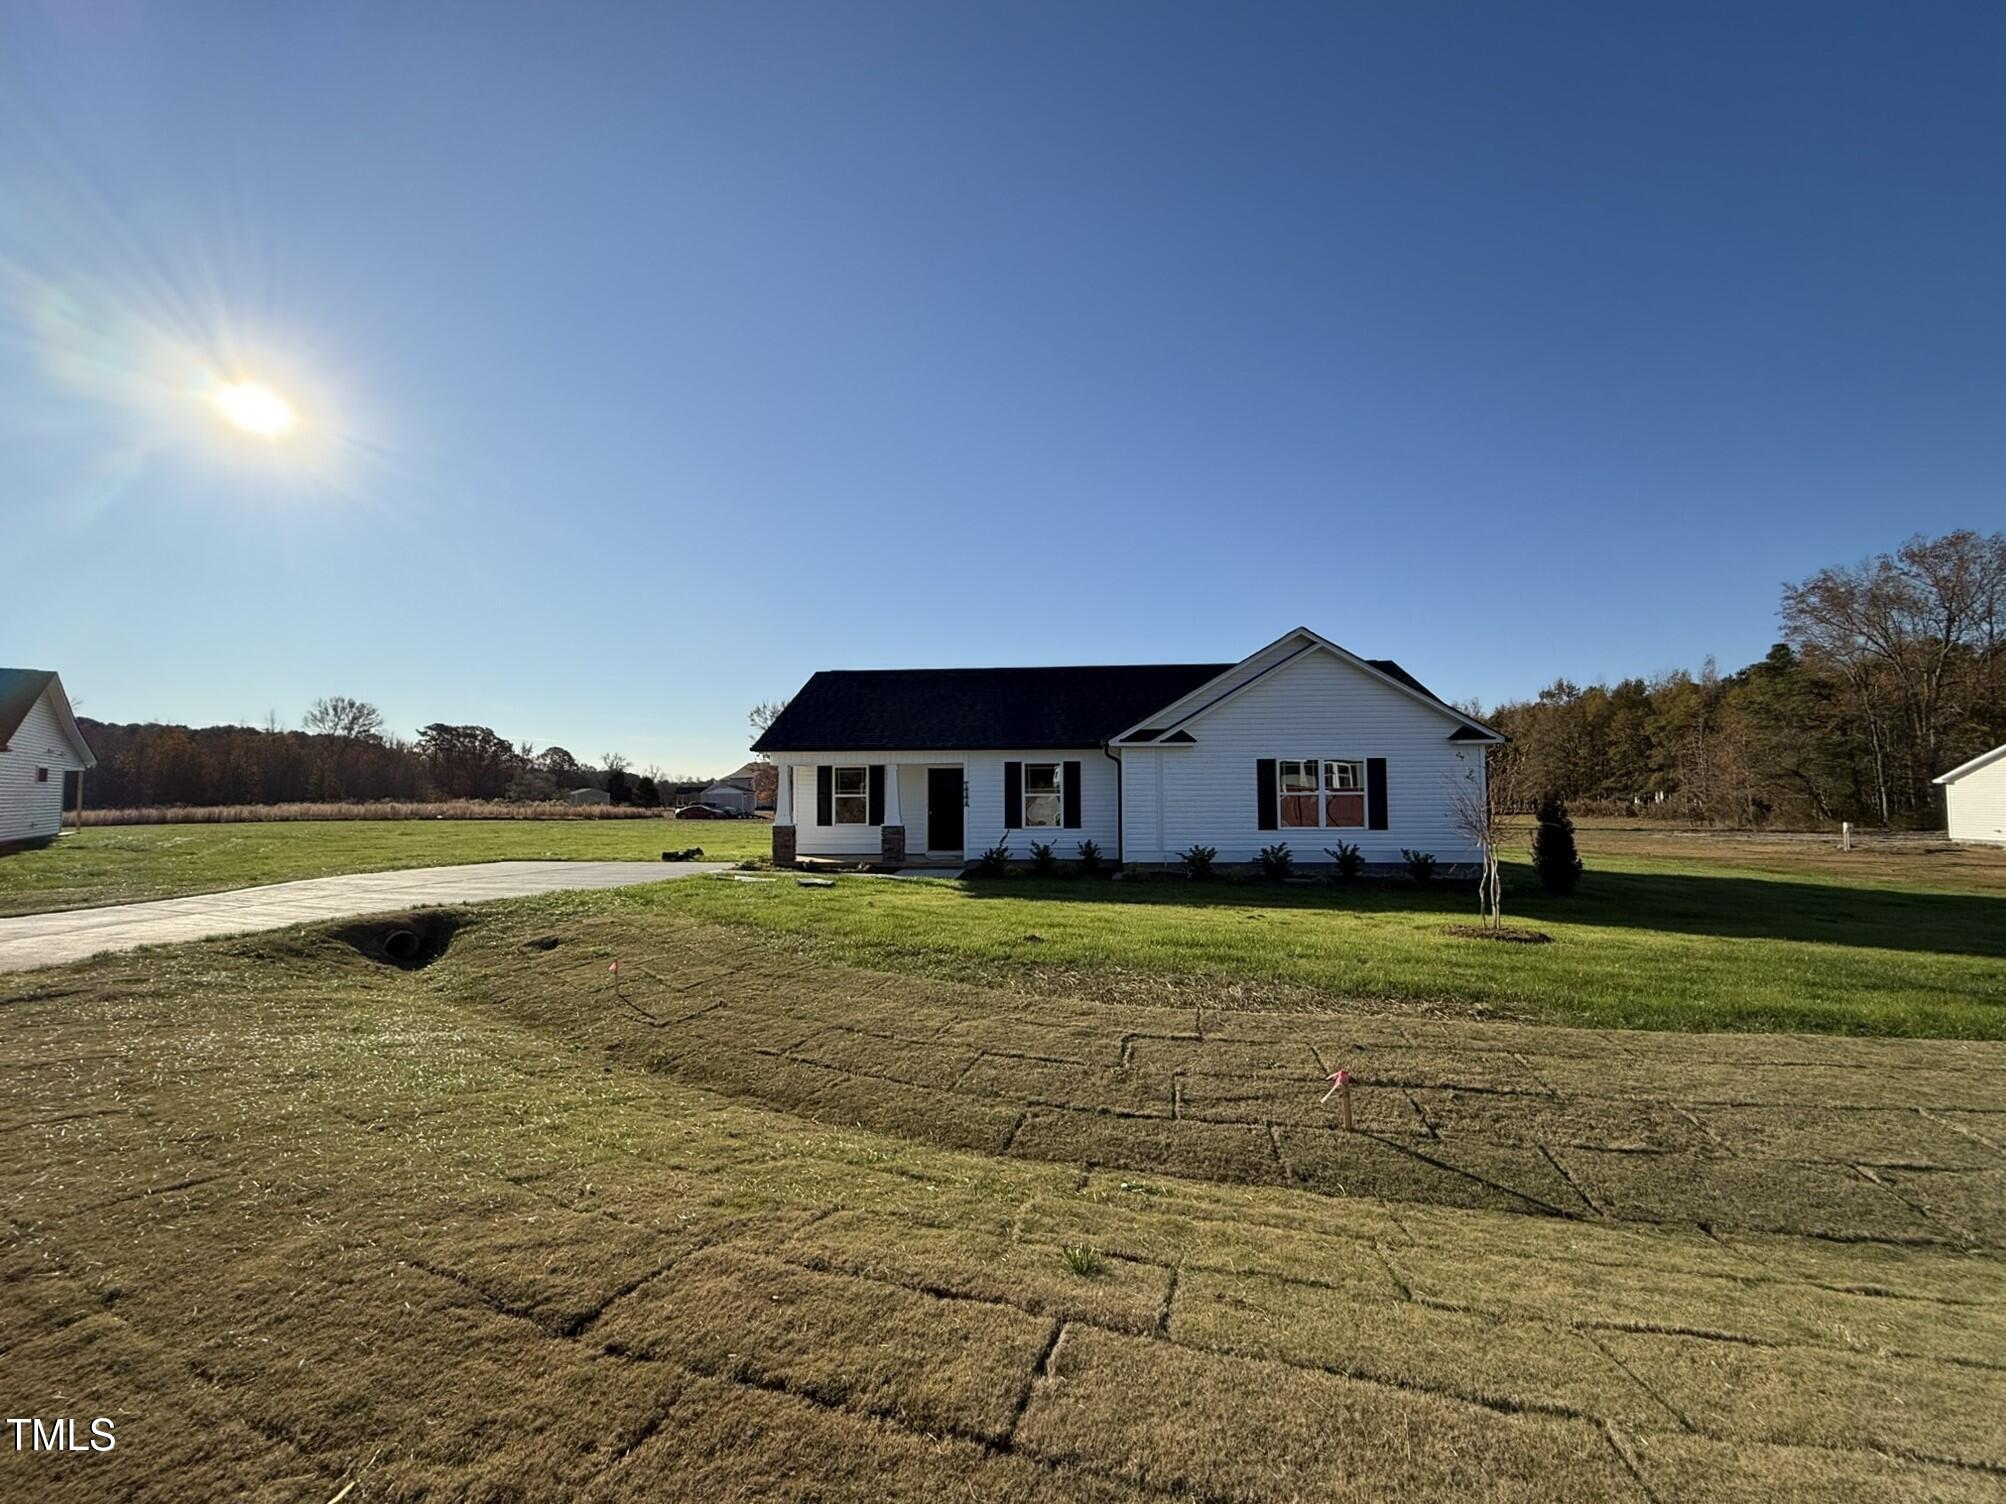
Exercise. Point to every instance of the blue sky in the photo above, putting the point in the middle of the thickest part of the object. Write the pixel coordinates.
(651, 357)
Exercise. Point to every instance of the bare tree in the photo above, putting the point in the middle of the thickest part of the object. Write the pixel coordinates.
(345, 719)
(1482, 800)
(613, 762)
(762, 716)
(1900, 627)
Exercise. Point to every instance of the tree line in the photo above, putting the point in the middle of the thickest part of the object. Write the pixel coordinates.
(1890, 672)
(342, 751)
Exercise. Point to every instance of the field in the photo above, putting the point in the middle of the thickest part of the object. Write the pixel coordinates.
(1672, 931)
(131, 863)
(753, 1223)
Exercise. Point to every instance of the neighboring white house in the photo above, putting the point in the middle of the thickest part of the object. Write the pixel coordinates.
(1303, 743)
(1974, 797)
(729, 793)
(39, 743)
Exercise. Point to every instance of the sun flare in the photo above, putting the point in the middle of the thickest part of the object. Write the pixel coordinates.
(256, 409)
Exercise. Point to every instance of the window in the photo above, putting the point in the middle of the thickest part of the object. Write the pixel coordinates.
(1340, 782)
(1044, 794)
(853, 795)
(1298, 791)
(1343, 794)
(41, 775)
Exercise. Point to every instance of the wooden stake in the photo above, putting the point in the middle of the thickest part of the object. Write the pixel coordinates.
(1340, 1087)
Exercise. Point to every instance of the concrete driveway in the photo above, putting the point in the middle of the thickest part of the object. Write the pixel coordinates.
(72, 934)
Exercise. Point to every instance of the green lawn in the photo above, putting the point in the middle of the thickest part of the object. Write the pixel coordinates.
(1659, 943)
(1672, 931)
(128, 863)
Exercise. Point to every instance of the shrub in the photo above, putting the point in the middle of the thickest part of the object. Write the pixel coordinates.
(1092, 863)
(1277, 861)
(1553, 855)
(1082, 1259)
(1043, 863)
(1347, 860)
(1198, 861)
(995, 862)
(1420, 865)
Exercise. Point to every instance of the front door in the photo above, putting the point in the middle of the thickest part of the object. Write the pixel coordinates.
(943, 809)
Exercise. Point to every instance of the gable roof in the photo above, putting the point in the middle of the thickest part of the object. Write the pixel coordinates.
(20, 688)
(1234, 678)
(971, 709)
(1982, 760)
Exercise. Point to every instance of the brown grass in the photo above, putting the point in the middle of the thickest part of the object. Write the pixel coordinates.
(299, 1220)
(380, 809)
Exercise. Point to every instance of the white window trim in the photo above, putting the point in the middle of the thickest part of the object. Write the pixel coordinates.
(1324, 789)
(1056, 793)
(837, 796)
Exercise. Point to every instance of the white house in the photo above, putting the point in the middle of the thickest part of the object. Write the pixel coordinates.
(734, 791)
(39, 743)
(1974, 797)
(1303, 743)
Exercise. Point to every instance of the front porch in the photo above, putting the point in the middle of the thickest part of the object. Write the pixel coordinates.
(850, 812)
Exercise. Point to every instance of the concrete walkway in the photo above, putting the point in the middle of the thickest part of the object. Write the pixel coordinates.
(72, 934)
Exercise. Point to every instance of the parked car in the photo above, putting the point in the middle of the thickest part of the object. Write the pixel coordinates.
(704, 812)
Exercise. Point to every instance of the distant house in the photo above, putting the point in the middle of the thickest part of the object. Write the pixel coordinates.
(1302, 742)
(39, 743)
(735, 791)
(588, 796)
(1974, 797)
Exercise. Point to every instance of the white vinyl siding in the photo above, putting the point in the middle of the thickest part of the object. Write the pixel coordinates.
(912, 803)
(30, 810)
(1976, 804)
(1206, 793)
(983, 815)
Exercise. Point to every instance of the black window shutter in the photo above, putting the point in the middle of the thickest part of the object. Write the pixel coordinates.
(877, 811)
(1072, 796)
(1264, 799)
(825, 794)
(1375, 792)
(1013, 795)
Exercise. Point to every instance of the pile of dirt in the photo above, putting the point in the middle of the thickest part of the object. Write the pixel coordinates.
(1505, 933)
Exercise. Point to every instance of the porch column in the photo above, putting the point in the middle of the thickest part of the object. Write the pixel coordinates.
(784, 848)
(891, 839)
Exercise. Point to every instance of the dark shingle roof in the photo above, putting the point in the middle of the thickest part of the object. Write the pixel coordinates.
(969, 709)
(20, 688)
(972, 708)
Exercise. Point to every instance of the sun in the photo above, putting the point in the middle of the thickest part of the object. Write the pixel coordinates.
(256, 409)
